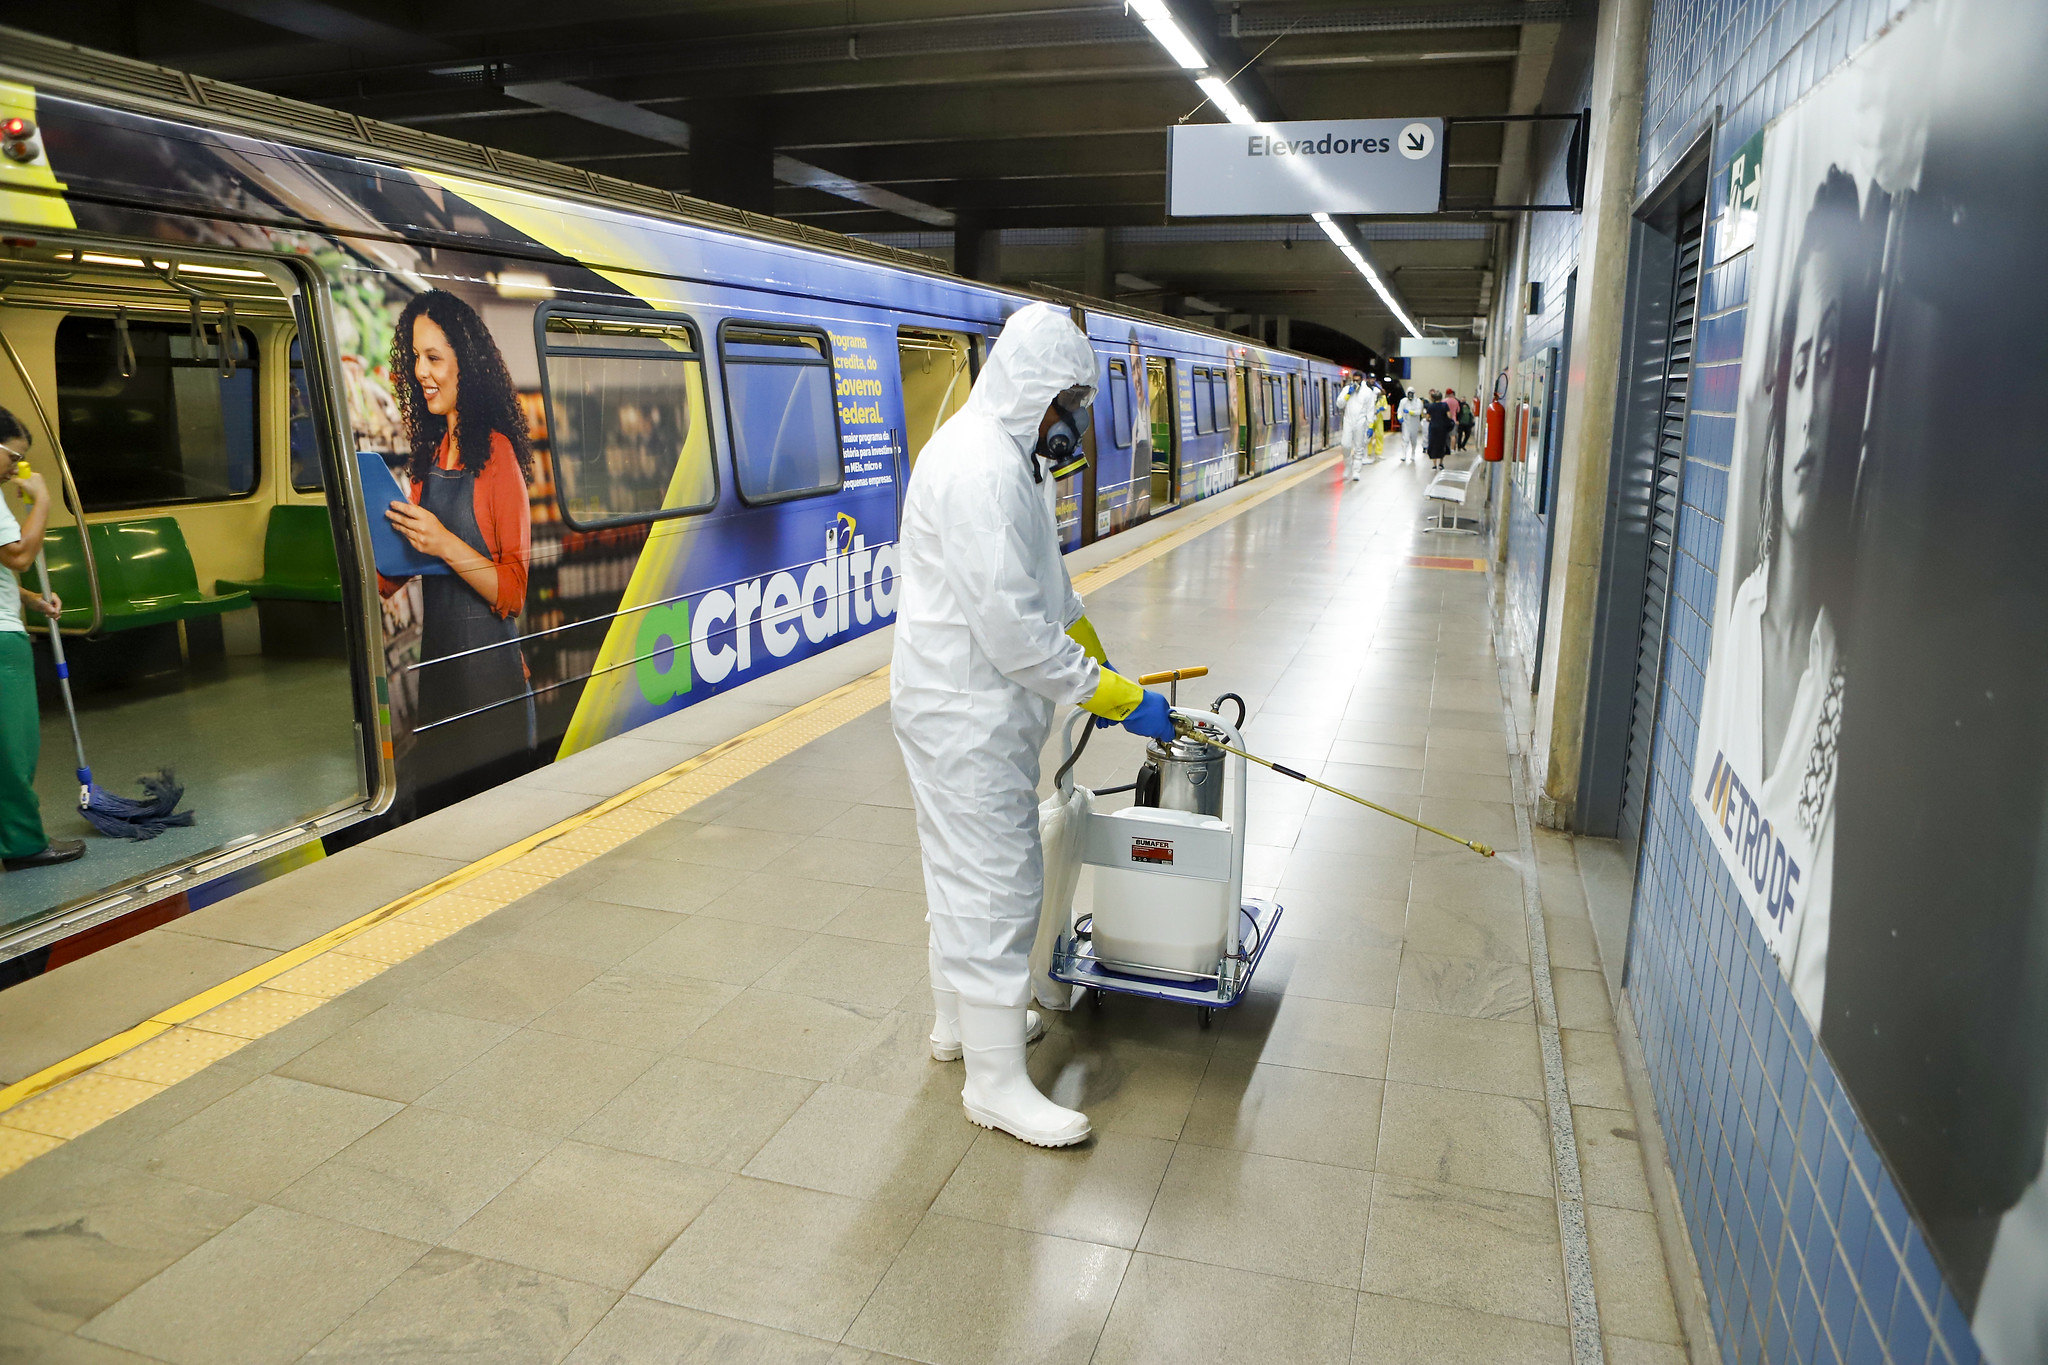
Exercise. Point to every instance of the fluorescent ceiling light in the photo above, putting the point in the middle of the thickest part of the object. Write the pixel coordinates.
(1364, 267)
(1161, 22)
(1220, 95)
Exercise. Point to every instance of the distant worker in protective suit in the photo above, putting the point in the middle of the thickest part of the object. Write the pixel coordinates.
(990, 637)
(1361, 423)
(1347, 424)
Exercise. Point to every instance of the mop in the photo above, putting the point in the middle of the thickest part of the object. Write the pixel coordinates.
(1191, 730)
(117, 817)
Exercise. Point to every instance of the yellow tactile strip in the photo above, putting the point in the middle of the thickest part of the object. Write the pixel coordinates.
(41, 1112)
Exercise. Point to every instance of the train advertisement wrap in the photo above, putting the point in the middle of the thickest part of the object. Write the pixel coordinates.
(1871, 723)
(609, 464)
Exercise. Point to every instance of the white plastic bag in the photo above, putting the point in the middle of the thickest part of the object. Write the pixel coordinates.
(1062, 829)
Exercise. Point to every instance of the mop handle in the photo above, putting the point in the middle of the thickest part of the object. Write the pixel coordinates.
(1192, 731)
(63, 672)
(57, 652)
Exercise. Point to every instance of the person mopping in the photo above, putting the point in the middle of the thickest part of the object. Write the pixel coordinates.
(990, 637)
(23, 842)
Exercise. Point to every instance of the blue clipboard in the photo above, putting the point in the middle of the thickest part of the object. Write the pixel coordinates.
(394, 555)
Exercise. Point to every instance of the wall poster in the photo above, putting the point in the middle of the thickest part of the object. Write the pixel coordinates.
(1872, 753)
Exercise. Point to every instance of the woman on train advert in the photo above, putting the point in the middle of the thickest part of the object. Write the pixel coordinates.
(469, 462)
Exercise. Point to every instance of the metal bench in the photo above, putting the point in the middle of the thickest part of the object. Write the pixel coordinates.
(1447, 491)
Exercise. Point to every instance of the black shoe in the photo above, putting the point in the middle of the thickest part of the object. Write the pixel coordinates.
(59, 851)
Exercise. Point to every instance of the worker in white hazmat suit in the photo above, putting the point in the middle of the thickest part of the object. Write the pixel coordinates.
(990, 637)
(1359, 415)
(1414, 424)
(1347, 419)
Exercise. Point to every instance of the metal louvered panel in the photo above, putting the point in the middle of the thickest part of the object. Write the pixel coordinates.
(257, 104)
(1663, 502)
(412, 143)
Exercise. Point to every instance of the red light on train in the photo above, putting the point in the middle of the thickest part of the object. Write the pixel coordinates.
(18, 139)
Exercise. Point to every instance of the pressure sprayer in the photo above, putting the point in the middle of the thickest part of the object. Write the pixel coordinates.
(1160, 909)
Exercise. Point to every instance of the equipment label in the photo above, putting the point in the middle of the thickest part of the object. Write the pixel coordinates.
(1152, 851)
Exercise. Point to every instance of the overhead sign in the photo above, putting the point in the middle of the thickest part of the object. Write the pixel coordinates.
(1432, 348)
(1359, 165)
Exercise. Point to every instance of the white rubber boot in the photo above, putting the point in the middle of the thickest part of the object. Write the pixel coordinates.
(999, 1093)
(946, 1015)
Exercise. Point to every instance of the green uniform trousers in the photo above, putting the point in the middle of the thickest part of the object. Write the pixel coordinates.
(21, 739)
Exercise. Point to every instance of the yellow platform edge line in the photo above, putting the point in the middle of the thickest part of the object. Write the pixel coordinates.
(50, 1077)
(56, 1074)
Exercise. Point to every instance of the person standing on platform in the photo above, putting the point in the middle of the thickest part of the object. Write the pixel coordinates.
(23, 842)
(1361, 413)
(1468, 415)
(990, 637)
(1438, 413)
(1412, 417)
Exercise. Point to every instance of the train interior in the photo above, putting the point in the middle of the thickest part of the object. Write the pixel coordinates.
(202, 611)
(1165, 434)
(938, 371)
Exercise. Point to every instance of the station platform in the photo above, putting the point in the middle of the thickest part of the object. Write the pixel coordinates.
(626, 1061)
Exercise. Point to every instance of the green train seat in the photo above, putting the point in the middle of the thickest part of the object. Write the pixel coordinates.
(146, 576)
(299, 564)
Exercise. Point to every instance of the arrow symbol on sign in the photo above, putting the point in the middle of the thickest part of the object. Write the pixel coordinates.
(1415, 142)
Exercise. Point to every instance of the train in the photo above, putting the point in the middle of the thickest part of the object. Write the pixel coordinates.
(657, 448)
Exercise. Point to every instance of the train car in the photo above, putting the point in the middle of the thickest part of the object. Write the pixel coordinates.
(392, 467)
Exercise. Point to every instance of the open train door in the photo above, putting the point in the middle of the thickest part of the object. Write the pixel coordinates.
(1296, 423)
(1243, 410)
(936, 369)
(1159, 379)
(216, 621)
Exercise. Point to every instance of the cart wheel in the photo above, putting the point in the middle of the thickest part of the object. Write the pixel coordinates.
(1207, 1016)
(1095, 1000)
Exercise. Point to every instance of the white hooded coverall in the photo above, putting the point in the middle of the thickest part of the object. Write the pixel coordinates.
(1414, 425)
(982, 655)
(1357, 430)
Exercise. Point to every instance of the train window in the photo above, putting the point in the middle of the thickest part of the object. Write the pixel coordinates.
(626, 417)
(782, 411)
(173, 428)
(1205, 402)
(307, 476)
(1119, 404)
(1219, 397)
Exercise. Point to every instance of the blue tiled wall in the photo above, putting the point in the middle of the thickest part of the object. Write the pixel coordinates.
(1808, 1252)
(1553, 255)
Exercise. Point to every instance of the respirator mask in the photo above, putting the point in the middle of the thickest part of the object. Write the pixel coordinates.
(1060, 446)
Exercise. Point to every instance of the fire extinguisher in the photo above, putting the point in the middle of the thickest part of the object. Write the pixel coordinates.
(1497, 422)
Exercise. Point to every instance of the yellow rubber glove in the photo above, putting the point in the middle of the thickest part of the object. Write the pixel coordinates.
(1115, 697)
(1083, 634)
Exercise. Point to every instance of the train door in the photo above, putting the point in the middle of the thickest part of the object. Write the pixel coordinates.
(1117, 469)
(211, 624)
(1296, 426)
(937, 374)
(1241, 398)
(1165, 433)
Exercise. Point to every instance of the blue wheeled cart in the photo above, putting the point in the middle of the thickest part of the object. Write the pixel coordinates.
(1169, 919)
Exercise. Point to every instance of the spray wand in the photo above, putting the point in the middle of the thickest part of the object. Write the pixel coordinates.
(1191, 729)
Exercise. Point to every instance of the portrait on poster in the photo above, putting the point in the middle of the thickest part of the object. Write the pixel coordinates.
(1816, 193)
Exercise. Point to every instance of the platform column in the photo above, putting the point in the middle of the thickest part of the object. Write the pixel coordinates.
(1595, 375)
